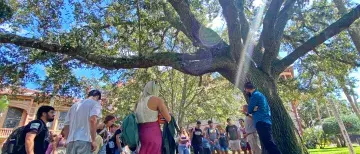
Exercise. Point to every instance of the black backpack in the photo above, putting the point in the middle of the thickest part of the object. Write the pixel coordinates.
(12, 144)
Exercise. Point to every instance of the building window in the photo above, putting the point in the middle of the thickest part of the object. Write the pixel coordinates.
(61, 120)
(13, 117)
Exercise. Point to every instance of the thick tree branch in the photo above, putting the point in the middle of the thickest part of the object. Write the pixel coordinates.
(268, 35)
(233, 24)
(334, 29)
(284, 17)
(192, 64)
(243, 21)
(191, 24)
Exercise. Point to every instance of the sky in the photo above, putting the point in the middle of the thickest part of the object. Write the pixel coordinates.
(217, 24)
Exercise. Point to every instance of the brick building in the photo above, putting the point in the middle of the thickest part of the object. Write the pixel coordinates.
(22, 108)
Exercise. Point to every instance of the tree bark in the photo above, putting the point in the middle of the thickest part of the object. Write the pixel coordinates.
(351, 101)
(183, 101)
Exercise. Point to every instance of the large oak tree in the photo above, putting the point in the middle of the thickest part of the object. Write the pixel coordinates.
(136, 34)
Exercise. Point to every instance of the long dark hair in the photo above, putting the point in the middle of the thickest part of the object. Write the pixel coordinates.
(108, 118)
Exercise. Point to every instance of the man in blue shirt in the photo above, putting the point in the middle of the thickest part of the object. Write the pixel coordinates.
(260, 110)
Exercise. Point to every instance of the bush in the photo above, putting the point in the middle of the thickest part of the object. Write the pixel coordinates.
(351, 122)
(314, 136)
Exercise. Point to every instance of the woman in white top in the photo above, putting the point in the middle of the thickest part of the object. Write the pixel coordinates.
(147, 112)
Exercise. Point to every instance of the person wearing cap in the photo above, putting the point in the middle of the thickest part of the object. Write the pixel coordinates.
(81, 124)
(259, 109)
(196, 138)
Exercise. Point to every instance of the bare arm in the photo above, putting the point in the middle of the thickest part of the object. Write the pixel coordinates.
(93, 126)
(118, 142)
(29, 142)
(66, 131)
(163, 110)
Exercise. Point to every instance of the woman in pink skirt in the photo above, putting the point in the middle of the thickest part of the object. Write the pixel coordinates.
(147, 111)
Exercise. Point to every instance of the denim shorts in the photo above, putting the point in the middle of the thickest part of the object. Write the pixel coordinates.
(224, 148)
(215, 146)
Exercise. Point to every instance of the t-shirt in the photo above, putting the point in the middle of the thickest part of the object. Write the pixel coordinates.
(78, 119)
(111, 146)
(99, 143)
(233, 132)
(197, 137)
(249, 125)
(41, 141)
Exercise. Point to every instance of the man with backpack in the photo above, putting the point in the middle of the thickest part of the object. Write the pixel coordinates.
(81, 124)
(34, 137)
(213, 136)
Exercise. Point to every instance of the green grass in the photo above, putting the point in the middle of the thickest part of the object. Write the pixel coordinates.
(334, 150)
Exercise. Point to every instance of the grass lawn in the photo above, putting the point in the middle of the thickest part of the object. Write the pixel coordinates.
(334, 150)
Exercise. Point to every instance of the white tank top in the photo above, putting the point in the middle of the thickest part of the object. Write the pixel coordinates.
(144, 114)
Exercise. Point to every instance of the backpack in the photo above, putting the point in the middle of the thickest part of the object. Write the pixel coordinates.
(12, 144)
(130, 133)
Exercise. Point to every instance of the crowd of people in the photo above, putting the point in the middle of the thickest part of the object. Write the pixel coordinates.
(83, 133)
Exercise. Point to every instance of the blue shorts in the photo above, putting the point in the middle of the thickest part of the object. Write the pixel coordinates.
(215, 146)
(224, 148)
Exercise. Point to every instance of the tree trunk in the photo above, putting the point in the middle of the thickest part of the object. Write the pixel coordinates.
(183, 101)
(353, 31)
(344, 133)
(284, 131)
(328, 111)
(351, 101)
(318, 111)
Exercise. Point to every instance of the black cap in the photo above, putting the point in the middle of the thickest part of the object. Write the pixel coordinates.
(249, 85)
(210, 122)
(95, 93)
(198, 122)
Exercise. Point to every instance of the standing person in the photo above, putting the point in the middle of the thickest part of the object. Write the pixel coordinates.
(260, 110)
(114, 144)
(213, 135)
(184, 142)
(147, 111)
(57, 145)
(206, 144)
(35, 134)
(81, 123)
(223, 141)
(245, 146)
(232, 132)
(251, 134)
(196, 138)
(113, 129)
(105, 127)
